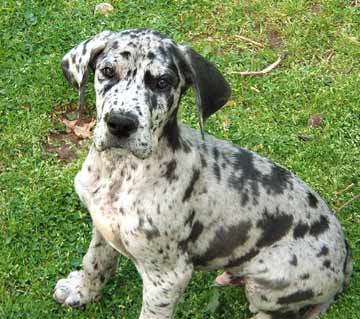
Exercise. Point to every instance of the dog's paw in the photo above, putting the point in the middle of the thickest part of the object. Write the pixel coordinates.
(73, 291)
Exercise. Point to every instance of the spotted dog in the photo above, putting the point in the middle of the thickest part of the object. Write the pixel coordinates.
(174, 200)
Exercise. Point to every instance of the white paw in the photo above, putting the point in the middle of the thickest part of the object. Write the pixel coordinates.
(73, 291)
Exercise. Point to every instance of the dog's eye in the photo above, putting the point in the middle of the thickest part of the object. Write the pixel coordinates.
(163, 83)
(108, 71)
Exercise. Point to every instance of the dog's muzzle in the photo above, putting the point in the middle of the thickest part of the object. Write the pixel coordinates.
(121, 124)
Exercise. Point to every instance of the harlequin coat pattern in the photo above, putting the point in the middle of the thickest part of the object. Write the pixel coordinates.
(175, 201)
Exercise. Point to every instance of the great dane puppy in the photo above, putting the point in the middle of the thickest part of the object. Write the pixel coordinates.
(174, 201)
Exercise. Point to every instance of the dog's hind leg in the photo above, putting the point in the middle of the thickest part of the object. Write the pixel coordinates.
(309, 312)
(282, 283)
(81, 287)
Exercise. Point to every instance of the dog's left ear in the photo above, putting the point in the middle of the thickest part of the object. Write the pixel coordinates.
(76, 63)
(211, 89)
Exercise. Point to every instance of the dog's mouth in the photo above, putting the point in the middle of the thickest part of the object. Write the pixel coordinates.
(122, 150)
(134, 144)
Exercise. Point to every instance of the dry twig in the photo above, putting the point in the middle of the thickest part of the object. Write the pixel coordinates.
(245, 39)
(330, 57)
(266, 70)
(345, 189)
(348, 202)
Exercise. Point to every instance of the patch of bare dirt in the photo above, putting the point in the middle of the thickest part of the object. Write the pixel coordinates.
(274, 38)
(74, 134)
(316, 8)
(314, 121)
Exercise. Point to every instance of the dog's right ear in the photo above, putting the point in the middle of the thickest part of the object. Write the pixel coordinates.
(75, 64)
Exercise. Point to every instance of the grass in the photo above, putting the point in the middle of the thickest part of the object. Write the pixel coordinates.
(44, 231)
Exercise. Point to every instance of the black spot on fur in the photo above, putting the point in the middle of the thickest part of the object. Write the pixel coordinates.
(186, 146)
(149, 233)
(274, 227)
(283, 315)
(172, 134)
(297, 296)
(277, 181)
(190, 219)
(323, 252)
(170, 171)
(348, 259)
(294, 260)
(115, 45)
(162, 53)
(153, 233)
(151, 55)
(313, 201)
(317, 228)
(109, 85)
(85, 46)
(66, 71)
(195, 176)
(125, 54)
(300, 230)
(149, 80)
(196, 231)
(327, 263)
(272, 284)
(244, 198)
(244, 172)
(234, 262)
(203, 160)
(170, 101)
(305, 276)
(225, 241)
(153, 101)
(216, 170)
(216, 153)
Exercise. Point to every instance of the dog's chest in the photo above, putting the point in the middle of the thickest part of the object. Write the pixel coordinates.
(117, 202)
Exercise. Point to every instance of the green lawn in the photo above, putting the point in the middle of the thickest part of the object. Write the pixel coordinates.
(44, 231)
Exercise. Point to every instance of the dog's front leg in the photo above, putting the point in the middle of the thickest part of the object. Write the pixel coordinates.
(81, 287)
(162, 288)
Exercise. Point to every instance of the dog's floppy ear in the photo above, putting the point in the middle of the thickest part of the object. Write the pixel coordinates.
(75, 64)
(211, 89)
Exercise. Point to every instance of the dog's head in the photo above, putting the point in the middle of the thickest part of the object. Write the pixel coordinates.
(140, 76)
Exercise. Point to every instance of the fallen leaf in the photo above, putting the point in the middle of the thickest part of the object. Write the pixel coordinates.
(258, 147)
(314, 121)
(84, 130)
(231, 103)
(103, 8)
(304, 137)
(70, 125)
(226, 124)
(254, 89)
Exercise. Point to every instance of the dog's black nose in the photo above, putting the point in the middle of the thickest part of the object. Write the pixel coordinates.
(121, 124)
